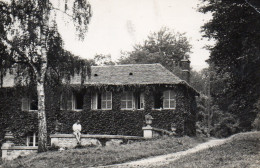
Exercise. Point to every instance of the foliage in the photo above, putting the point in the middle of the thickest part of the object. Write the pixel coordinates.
(223, 124)
(202, 116)
(115, 121)
(165, 47)
(200, 80)
(101, 59)
(92, 157)
(235, 58)
(30, 35)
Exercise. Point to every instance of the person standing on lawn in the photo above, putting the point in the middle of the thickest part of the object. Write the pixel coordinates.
(76, 130)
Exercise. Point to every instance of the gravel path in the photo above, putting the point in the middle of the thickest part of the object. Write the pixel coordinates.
(163, 159)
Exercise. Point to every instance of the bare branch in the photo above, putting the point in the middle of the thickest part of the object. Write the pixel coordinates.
(63, 12)
(255, 8)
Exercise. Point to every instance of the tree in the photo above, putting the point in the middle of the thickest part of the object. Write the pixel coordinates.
(28, 31)
(235, 58)
(101, 59)
(165, 47)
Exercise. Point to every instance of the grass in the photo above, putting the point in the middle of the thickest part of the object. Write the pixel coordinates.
(242, 151)
(96, 156)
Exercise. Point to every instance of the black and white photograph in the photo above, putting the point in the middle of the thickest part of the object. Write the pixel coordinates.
(129, 83)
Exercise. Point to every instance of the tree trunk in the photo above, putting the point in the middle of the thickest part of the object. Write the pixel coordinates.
(42, 144)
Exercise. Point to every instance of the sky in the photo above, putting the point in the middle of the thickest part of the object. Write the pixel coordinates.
(117, 25)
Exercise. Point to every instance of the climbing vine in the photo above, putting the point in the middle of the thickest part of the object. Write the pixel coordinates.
(114, 122)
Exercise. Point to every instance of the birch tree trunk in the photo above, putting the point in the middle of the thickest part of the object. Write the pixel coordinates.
(42, 144)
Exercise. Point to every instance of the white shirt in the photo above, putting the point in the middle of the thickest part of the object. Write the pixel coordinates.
(76, 127)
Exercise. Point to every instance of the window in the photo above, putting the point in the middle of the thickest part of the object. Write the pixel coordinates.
(32, 140)
(102, 101)
(106, 100)
(77, 101)
(169, 99)
(72, 101)
(158, 100)
(127, 100)
(139, 100)
(30, 103)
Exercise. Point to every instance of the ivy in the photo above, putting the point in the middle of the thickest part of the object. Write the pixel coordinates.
(113, 122)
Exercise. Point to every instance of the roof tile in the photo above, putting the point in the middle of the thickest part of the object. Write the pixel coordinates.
(119, 75)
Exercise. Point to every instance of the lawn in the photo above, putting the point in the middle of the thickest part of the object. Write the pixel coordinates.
(95, 156)
(242, 151)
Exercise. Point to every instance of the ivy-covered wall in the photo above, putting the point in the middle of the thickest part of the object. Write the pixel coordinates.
(115, 121)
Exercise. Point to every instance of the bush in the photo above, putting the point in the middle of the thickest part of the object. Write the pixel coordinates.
(227, 126)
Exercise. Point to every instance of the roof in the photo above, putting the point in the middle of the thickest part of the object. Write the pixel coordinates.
(129, 74)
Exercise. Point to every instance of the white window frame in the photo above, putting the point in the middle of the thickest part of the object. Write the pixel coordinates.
(94, 101)
(74, 102)
(28, 101)
(142, 101)
(106, 100)
(169, 93)
(35, 143)
(127, 100)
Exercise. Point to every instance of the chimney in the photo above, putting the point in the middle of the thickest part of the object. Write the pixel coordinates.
(185, 67)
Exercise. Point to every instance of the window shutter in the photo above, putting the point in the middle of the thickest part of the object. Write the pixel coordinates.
(25, 104)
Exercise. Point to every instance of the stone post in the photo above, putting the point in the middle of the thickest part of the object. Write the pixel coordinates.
(148, 131)
(8, 138)
(8, 143)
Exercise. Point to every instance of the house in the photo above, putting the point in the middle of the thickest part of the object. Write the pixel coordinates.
(114, 100)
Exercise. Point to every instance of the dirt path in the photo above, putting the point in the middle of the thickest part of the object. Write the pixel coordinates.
(164, 159)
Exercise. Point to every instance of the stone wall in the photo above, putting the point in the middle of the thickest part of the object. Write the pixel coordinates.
(12, 152)
(69, 140)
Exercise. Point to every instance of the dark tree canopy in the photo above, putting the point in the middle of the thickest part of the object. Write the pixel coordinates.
(165, 47)
(235, 58)
(30, 45)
